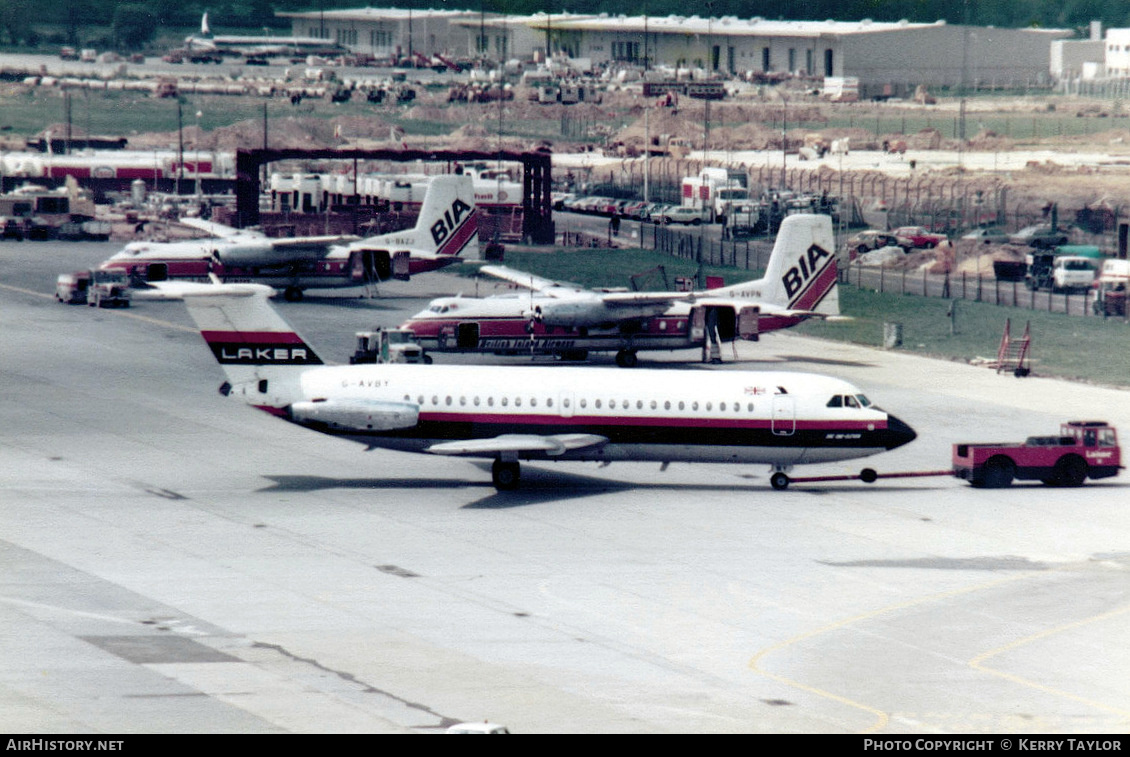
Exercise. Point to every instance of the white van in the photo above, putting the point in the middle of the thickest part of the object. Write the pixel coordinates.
(1073, 273)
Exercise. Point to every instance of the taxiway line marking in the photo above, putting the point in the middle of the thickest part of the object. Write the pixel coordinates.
(135, 316)
(977, 662)
(881, 717)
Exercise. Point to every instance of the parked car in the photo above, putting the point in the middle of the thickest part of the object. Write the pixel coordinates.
(634, 210)
(651, 211)
(572, 204)
(920, 236)
(593, 205)
(870, 239)
(616, 208)
(987, 235)
(589, 204)
(11, 228)
(683, 214)
(1041, 235)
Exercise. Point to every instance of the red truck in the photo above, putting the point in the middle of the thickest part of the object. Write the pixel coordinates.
(1083, 449)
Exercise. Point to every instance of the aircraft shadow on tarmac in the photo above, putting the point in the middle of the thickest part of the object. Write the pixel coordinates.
(947, 563)
(823, 361)
(541, 486)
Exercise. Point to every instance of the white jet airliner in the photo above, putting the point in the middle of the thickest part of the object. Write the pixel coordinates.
(509, 414)
(446, 232)
(252, 45)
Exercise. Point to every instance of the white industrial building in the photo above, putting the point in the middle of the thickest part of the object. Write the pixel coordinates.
(886, 57)
(385, 31)
(889, 58)
(1117, 53)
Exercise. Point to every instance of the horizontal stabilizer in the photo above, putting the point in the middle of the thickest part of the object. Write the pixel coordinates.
(557, 444)
(179, 290)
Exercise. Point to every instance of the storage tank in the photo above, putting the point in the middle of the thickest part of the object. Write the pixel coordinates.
(137, 192)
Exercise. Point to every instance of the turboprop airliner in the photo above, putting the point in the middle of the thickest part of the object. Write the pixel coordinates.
(567, 321)
(446, 232)
(513, 413)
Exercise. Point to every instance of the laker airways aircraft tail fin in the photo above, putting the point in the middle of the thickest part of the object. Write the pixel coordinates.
(262, 356)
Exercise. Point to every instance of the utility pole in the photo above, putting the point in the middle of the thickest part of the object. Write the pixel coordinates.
(180, 147)
(646, 148)
(482, 29)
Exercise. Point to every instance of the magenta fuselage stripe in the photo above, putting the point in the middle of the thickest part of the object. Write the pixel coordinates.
(251, 337)
(662, 422)
(459, 239)
(810, 298)
(518, 327)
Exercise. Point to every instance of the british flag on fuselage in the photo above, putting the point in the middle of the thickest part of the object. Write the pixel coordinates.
(446, 232)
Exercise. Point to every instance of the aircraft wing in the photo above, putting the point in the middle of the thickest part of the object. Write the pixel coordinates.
(220, 230)
(528, 280)
(557, 444)
(302, 246)
(611, 299)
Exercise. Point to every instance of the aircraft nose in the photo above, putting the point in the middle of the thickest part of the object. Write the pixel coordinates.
(898, 433)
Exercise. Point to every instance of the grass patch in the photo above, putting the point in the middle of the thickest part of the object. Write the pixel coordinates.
(1087, 349)
(609, 267)
(28, 111)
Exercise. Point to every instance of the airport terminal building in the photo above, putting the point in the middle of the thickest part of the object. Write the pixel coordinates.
(886, 57)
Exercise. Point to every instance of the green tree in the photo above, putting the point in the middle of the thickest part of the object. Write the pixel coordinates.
(15, 18)
(133, 25)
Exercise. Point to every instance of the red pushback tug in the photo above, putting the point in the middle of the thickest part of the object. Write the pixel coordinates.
(1083, 449)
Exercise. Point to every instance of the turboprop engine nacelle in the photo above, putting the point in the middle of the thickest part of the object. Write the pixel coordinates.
(572, 314)
(355, 416)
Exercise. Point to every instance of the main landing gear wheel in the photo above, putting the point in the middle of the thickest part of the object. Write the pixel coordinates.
(293, 294)
(779, 481)
(505, 475)
(626, 358)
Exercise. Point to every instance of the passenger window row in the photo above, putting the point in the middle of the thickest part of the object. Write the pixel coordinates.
(613, 404)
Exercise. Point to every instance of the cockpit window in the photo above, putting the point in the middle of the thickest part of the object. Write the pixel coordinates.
(849, 400)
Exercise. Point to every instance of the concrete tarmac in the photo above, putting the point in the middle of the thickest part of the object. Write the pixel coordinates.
(172, 561)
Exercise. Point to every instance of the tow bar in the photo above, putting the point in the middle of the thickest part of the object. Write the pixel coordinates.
(780, 480)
